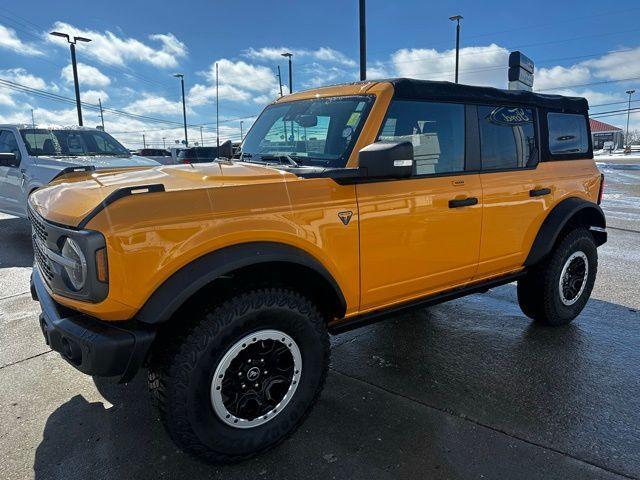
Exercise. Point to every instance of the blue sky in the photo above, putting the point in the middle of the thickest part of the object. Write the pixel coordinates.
(580, 48)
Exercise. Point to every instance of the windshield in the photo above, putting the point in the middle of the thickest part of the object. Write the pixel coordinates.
(316, 132)
(44, 141)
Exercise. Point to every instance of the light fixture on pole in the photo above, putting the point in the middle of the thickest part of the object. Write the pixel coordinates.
(457, 18)
(72, 45)
(629, 92)
(184, 108)
(289, 55)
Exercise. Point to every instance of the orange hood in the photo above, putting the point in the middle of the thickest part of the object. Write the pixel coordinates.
(71, 198)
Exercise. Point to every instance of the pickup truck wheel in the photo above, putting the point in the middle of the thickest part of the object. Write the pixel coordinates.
(244, 377)
(555, 292)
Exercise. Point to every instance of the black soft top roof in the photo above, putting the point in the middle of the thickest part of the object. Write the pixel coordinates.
(408, 88)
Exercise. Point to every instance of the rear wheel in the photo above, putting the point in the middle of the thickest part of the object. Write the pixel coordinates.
(244, 377)
(555, 292)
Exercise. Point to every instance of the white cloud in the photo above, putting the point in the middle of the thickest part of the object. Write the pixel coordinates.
(478, 65)
(87, 75)
(92, 96)
(5, 98)
(594, 97)
(321, 75)
(549, 78)
(242, 75)
(111, 49)
(616, 65)
(325, 54)
(154, 104)
(202, 94)
(21, 76)
(9, 40)
(377, 70)
(238, 82)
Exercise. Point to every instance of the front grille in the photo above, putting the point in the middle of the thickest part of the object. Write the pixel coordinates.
(39, 236)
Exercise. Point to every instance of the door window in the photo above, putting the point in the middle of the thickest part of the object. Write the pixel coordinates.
(8, 143)
(567, 133)
(507, 137)
(436, 131)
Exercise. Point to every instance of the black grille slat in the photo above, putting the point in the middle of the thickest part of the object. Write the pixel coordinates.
(40, 233)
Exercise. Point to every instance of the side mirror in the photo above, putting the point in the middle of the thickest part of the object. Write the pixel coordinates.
(9, 160)
(387, 159)
(225, 150)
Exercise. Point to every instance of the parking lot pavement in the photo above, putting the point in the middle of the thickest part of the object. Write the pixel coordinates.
(468, 389)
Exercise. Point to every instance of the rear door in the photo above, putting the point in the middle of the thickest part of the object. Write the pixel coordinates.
(516, 193)
(422, 234)
(11, 194)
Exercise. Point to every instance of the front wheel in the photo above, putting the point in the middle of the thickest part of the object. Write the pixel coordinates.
(555, 292)
(244, 378)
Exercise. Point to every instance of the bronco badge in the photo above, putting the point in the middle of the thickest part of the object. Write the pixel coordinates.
(345, 216)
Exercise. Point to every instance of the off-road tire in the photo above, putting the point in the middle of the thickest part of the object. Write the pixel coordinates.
(183, 365)
(539, 292)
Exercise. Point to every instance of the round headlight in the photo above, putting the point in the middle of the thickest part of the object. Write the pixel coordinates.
(77, 268)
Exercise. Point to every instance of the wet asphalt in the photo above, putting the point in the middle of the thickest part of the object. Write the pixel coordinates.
(467, 389)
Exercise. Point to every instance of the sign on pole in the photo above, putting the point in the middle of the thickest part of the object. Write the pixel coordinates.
(521, 70)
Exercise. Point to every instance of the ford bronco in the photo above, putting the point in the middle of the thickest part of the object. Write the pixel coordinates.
(345, 205)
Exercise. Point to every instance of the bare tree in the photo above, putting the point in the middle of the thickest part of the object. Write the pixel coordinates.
(634, 137)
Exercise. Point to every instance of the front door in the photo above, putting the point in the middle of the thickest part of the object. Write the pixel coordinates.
(11, 195)
(422, 234)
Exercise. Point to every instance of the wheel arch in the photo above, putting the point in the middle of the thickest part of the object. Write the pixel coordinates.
(570, 212)
(262, 259)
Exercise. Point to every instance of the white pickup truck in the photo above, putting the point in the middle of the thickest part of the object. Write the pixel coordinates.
(32, 157)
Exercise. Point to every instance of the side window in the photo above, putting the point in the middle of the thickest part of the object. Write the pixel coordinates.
(8, 143)
(507, 137)
(436, 131)
(567, 133)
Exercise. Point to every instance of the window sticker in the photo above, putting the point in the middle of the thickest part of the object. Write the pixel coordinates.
(508, 116)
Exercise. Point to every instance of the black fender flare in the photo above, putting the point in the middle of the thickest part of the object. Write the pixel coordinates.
(189, 279)
(588, 212)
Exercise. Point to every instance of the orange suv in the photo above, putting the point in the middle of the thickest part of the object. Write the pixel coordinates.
(345, 205)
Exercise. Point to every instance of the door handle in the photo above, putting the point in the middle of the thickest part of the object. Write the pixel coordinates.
(538, 192)
(465, 202)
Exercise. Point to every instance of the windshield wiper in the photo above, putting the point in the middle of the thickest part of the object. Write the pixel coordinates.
(280, 158)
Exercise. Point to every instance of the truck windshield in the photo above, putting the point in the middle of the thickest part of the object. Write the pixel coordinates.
(315, 132)
(59, 142)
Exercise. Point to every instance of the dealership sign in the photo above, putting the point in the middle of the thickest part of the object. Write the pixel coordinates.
(521, 70)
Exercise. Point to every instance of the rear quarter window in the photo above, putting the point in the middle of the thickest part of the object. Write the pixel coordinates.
(567, 134)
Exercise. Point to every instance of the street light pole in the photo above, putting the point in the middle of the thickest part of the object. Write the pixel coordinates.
(184, 108)
(457, 18)
(280, 80)
(289, 55)
(101, 114)
(363, 41)
(241, 136)
(629, 92)
(201, 138)
(74, 65)
(217, 113)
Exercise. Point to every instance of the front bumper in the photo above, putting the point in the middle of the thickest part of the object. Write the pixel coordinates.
(92, 346)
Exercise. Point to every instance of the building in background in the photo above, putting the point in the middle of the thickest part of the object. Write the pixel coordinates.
(603, 132)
